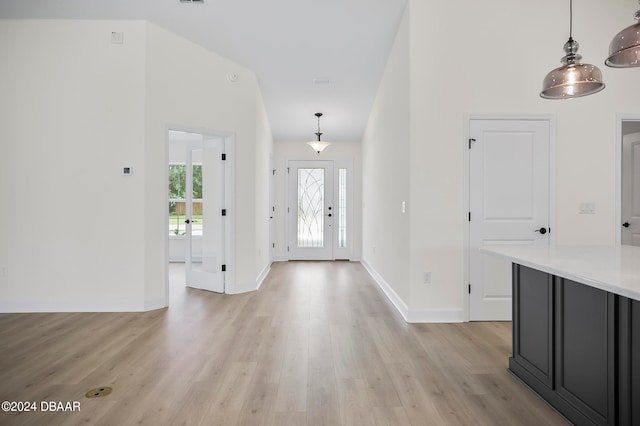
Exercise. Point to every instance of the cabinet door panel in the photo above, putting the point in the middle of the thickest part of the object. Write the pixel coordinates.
(629, 378)
(585, 349)
(533, 320)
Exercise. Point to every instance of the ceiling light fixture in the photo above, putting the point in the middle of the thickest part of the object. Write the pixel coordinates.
(624, 49)
(572, 79)
(318, 145)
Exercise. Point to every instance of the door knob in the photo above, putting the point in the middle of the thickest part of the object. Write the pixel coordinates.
(541, 230)
(626, 224)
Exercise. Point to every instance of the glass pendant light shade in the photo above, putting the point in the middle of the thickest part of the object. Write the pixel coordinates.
(318, 145)
(624, 49)
(572, 79)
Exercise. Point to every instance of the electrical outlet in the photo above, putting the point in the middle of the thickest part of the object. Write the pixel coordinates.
(3, 271)
(427, 278)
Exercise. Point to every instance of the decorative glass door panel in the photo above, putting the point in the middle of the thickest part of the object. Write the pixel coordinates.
(310, 207)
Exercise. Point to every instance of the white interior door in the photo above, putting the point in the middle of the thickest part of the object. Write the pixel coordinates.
(204, 219)
(509, 204)
(311, 211)
(631, 189)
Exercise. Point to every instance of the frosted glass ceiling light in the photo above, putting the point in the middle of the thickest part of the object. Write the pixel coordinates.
(624, 49)
(572, 79)
(318, 145)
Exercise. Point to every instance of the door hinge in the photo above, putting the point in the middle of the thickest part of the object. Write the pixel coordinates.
(273, 172)
(469, 288)
(287, 170)
(469, 216)
(224, 212)
(287, 209)
(224, 157)
(224, 268)
(273, 245)
(471, 140)
(287, 248)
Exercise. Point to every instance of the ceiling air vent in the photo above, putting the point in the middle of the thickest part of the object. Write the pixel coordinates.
(191, 1)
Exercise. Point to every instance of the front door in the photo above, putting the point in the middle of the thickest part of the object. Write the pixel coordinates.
(311, 210)
(631, 189)
(203, 218)
(509, 204)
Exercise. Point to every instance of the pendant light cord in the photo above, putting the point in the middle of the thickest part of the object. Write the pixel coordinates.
(571, 19)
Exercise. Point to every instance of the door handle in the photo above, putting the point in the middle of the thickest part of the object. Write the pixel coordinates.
(328, 215)
(541, 230)
(626, 224)
(188, 221)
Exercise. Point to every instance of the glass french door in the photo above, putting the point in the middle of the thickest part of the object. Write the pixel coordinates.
(311, 210)
(203, 216)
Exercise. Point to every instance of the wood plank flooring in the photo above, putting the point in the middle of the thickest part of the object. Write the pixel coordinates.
(318, 344)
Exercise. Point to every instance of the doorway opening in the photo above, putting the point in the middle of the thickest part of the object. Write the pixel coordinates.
(628, 181)
(199, 209)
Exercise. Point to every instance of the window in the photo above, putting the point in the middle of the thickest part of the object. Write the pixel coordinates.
(178, 202)
(342, 208)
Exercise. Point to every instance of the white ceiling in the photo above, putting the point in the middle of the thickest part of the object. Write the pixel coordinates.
(287, 43)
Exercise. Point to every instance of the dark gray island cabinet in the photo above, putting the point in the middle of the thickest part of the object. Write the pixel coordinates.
(576, 330)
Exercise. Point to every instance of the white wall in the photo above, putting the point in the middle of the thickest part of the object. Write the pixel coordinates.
(75, 110)
(284, 151)
(490, 58)
(72, 115)
(385, 172)
(264, 154)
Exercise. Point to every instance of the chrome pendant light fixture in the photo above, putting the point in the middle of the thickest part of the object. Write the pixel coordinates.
(624, 49)
(318, 145)
(572, 79)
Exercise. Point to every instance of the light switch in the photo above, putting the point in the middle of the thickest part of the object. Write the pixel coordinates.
(404, 207)
(117, 37)
(587, 208)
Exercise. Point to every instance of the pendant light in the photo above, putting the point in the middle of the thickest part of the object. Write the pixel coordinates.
(624, 49)
(572, 79)
(318, 145)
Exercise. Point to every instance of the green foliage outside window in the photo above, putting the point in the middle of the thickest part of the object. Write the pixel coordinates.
(178, 193)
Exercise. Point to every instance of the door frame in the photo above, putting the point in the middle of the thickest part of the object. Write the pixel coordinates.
(338, 163)
(229, 200)
(466, 187)
(620, 117)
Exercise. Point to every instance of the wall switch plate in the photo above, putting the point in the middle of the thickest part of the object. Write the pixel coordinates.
(587, 208)
(3, 271)
(117, 37)
(404, 207)
(427, 278)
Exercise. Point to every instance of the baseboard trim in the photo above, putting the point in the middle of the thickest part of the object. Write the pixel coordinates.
(250, 286)
(262, 276)
(413, 315)
(35, 306)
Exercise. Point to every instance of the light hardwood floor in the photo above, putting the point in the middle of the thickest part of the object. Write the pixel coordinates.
(318, 344)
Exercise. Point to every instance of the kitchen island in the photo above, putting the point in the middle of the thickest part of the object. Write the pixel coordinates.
(576, 329)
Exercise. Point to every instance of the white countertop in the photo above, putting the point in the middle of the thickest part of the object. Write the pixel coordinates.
(615, 269)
